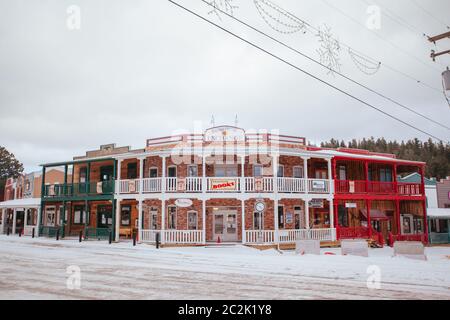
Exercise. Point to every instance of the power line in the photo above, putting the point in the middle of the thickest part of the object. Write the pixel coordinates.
(382, 37)
(343, 44)
(328, 68)
(305, 72)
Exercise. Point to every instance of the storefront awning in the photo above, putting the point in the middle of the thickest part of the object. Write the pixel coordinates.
(21, 203)
(438, 213)
(375, 214)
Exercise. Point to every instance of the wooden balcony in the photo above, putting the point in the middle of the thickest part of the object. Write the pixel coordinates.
(75, 190)
(377, 187)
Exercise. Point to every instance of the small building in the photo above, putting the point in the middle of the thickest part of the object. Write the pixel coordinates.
(20, 211)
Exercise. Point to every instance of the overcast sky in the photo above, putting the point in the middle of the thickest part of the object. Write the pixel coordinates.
(139, 69)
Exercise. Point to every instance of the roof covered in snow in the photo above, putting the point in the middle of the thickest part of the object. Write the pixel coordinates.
(437, 213)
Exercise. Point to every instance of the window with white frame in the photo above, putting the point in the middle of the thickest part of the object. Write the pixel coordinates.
(192, 220)
(257, 170)
(298, 172)
(172, 217)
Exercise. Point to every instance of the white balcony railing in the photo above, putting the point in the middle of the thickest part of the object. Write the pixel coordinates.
(193, 184)
(225, 185)
(129, 186)
(253, 184)
(151, 185)
(291, 185)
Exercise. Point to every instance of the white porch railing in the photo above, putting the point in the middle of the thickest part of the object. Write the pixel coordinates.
(129, 186)
(291, 185)
(260, 236)
(318, 186)
(290, 236)
(151, 185)
(172, 236)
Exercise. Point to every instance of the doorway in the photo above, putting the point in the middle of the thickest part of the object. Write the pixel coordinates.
(104, 217)
(225, 225)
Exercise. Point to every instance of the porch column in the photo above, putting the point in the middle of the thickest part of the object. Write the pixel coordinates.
(331, 206)
(305, 173)
(243, 174)
(424, 203)
(118, 185)
(141, 176)
(369, 222)
(244, 237)
(2, 230)
(307, 214)
(275, 190)
(397, 217)
(25, 218)
(163, 200)
(203, 200)
(119, 176)
(139, 218)
(38, 220)
(204, 220)
(336, 218)
(14, 221)
(330, 185)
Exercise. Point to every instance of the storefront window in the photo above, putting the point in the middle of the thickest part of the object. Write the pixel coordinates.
(258, 223)
(172, 218)
(125, 217)
(281, 217)
(79, 215)
(192, 220)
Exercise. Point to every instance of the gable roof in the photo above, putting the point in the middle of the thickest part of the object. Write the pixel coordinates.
(416, 178)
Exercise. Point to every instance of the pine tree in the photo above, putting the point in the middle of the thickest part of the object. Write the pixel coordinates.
(9, 166)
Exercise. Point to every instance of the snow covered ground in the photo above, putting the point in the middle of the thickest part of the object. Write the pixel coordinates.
(37, 269)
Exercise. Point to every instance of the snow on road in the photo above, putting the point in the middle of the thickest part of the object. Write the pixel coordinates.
(37, 269)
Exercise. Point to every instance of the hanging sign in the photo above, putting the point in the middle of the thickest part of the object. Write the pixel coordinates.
(181, 184)
(183, 203)
(351, 205)
(318, 185)
(316, 203)
(258, 184)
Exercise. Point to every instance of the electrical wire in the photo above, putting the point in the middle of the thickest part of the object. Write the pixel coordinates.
(343, 44)
(306, 72)
(328, 68)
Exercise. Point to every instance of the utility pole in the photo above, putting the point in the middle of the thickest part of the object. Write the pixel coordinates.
(434, 39)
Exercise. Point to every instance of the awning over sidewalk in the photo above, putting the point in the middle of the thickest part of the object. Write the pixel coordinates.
(375, 214)
(438, 213)
(21, 203)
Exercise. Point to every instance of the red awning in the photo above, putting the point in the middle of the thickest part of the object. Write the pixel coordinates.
(375, 214)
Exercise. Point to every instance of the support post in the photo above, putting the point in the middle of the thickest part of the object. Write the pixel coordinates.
(203, 200)
(163, 200)
(336, 218)
(14, 221)
(331, 206)
(307, 214)
(397, 217)
(117, 221)
(305, 174)
(275, 206)
(366, 174)
(369, 221)
(244, 237)
(139, 219)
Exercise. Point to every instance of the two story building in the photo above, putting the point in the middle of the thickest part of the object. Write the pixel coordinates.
(231, 185)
